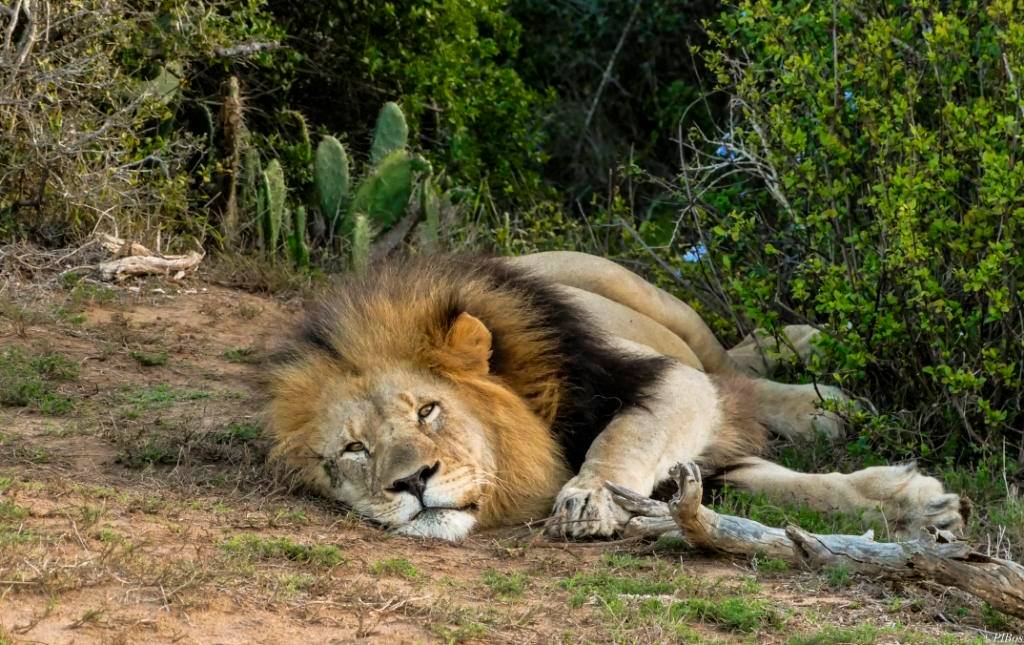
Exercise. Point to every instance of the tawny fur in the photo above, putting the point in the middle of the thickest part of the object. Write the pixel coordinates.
(742, 434)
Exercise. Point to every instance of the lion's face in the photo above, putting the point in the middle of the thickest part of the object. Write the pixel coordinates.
(426, 443)
(400, 448)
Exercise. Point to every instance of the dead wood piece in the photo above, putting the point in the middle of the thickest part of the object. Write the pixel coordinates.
(996, 581)
(120, 247)
(122, 268)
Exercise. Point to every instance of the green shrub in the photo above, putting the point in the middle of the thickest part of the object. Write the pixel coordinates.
(875, 189)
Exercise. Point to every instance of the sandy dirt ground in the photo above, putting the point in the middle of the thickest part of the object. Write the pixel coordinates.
(137, 506)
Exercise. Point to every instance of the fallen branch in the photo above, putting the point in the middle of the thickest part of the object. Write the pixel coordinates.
(135, 259)
(932, 557)
(145, 265)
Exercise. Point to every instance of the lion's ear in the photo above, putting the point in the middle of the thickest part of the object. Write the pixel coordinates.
(470, 340)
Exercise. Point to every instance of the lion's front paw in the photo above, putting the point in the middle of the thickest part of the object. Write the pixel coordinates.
(586, 509)
(910, 502)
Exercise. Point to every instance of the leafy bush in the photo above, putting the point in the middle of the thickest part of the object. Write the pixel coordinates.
(870, 180)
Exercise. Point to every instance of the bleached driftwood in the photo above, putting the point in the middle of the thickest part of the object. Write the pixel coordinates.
(121, 248)
(135, 259)
(933, 557)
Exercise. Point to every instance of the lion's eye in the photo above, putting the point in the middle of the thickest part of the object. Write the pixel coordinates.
(428, 412)
(355, 446)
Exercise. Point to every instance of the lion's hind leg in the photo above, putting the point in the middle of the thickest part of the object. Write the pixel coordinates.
(798, 411)
(901, 497)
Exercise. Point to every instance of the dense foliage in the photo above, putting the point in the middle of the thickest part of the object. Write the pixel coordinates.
(869, 179)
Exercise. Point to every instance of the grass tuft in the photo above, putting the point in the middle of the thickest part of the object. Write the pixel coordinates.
(241, 355)
(146, 359)
(397, 568)
(29, 381)
(253, 548)
(734, 613)
(606, 586)
(505, 585)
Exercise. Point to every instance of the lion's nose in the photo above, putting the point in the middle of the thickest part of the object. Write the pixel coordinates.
(415, 483)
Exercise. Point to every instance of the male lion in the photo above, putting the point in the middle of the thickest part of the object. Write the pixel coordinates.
(439, 394)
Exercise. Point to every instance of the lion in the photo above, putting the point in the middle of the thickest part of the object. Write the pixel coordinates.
(442, 394)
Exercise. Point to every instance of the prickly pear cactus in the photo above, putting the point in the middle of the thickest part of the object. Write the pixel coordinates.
(305, 147)
(384, 195)
(391, 133)
(297, 247)
(272, 198)
(330, 176)
(429, 202)
(252, 173)
(362, 236)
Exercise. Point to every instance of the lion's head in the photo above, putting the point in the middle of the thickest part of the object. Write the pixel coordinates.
(391, 407)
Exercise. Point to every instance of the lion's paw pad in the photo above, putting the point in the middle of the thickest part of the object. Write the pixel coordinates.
(586, 512)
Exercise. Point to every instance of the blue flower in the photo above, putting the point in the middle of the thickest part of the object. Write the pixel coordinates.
(725, 152)
(695, 253)
(851, 102)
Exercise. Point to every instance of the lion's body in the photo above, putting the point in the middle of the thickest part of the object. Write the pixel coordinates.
(441, 393)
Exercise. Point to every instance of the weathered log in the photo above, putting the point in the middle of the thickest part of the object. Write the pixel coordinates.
(933, 557)
(122, 268)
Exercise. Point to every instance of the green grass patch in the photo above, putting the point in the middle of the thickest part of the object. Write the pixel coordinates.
(108, 536)
(238, 433)
(11, 529)
(397, 568)
(670, 543)
(252, 548)
(733, 613)
(838, 576)
(293, 583)
(289, 516)
(464, 625)
(505, 585)
(626, 561)
(68, 316)
(152, 452)
(764, 564)
(241, 355)
(157, 397)
(30, 380)
(149, 359)
(87, 293)
(608, 587)
(9, 511)
(831, 635)
(993, 618)
(761, 509)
